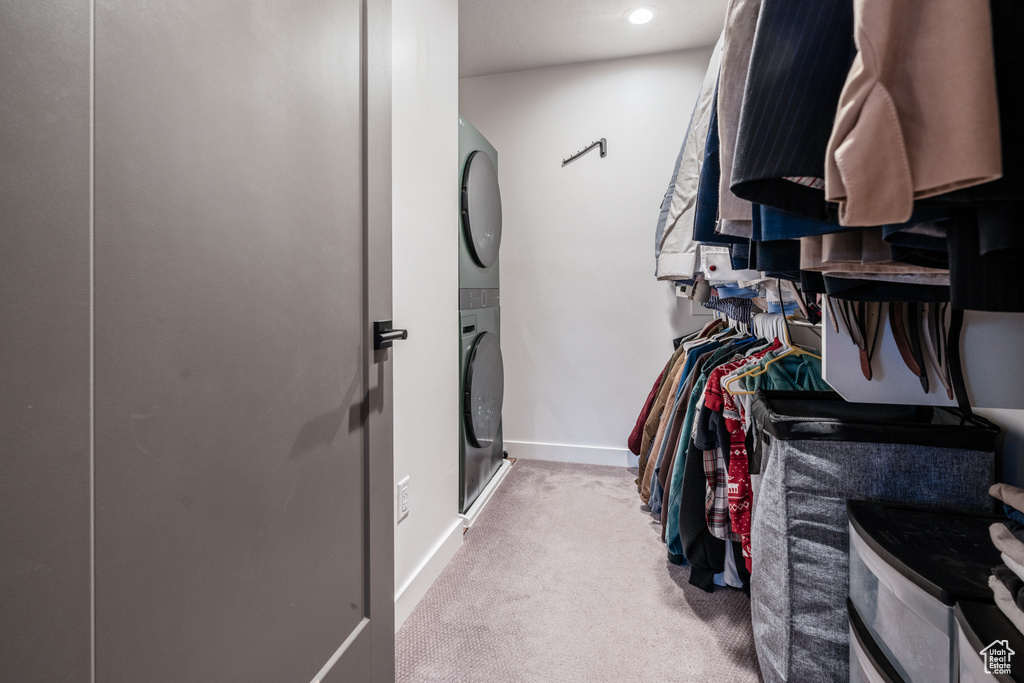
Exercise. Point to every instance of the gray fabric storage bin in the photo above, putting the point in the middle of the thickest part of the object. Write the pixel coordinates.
(813, 452)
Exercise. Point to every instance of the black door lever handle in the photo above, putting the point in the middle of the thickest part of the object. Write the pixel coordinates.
(384, 335)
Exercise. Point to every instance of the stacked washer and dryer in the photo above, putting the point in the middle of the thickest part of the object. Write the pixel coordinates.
(483, 375)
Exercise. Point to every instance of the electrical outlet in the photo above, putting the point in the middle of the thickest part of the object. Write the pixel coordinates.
(403, 499)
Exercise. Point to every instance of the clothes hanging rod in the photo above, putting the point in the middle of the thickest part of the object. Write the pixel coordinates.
(603, 143)
(813, 327)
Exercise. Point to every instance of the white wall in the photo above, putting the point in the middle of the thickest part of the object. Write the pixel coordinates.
(1010, 445)
(585, 326)
(425, 262)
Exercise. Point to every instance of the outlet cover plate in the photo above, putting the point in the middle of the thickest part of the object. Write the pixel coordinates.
(402, 499)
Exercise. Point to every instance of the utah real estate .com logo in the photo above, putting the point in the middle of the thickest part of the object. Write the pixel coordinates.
(997, 657)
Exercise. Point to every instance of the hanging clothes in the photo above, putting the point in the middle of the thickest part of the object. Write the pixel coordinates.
(665, 470)
(668, 416)
(732, 501)
(696, 476)
(918, 115)
(814, 131)
(687, 534)
(654, 415)
(677, 250)
(740, 25)
(800, 56)
(706, 216)
(653, 420)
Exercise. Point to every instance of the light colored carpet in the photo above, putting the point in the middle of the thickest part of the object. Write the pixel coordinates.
(564, 578)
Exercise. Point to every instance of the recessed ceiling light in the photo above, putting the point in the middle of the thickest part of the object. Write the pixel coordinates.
(640, 15)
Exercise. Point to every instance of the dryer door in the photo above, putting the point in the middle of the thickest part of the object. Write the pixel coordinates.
(485, 389)
(481, 208)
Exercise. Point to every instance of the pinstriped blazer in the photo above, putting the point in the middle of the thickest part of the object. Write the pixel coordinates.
(799, 62)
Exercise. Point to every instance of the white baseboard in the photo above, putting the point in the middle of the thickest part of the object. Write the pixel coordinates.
(586, 455)
(474, 511)
(409, 595)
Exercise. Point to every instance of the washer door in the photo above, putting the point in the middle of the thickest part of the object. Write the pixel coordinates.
(485, 389)
(481, 208)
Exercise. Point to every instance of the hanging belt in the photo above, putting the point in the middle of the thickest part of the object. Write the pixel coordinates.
(914, 327)
(867, 320)
(909, 324)
(956, 373)
(898, 321)
(940, 335)
(931, 332)
(846, 308)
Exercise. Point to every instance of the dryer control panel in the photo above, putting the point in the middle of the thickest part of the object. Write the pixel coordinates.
(471, 299)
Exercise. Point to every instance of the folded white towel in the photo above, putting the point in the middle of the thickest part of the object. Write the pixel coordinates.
(1004, 601)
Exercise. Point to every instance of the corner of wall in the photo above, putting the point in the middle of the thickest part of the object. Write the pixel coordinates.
(413, 590)
(1009, 445)
(425, 278)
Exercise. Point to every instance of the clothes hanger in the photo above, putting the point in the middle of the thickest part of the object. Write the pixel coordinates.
(806, 324)
(724, 333)
(760, 323)
(942, 333)
(793, 350)
(755, 324)
(709, 328)
(767, 326)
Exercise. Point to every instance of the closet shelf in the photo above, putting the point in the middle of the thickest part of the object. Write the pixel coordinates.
(994, 379)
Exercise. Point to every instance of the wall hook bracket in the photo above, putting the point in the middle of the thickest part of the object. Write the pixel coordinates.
(602, 143)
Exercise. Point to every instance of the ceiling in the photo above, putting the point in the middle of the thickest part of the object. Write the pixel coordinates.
(496, 36)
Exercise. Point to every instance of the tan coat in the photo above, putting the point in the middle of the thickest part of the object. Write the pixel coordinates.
(666, 414)
(918, 115)
(654, 417)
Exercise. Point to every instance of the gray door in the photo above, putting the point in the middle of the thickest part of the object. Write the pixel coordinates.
(237, 250)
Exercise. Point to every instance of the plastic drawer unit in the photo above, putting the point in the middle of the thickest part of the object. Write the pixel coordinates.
(868, 664)
(908, 569)
(990, 647)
